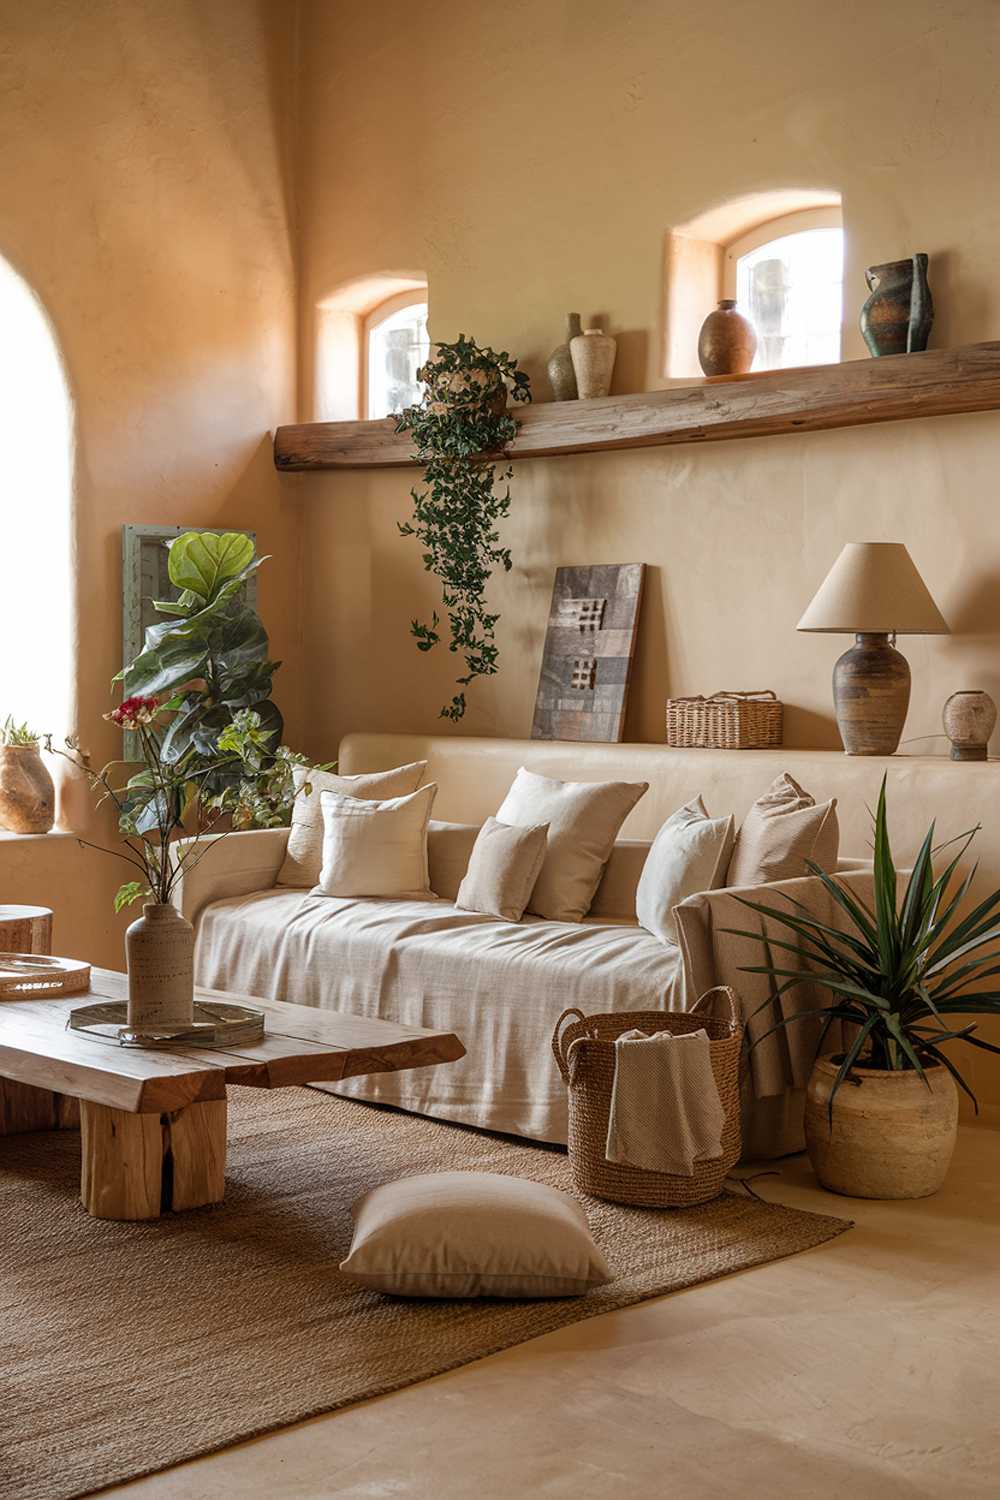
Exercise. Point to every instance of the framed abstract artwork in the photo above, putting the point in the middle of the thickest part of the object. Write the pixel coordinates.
(589, 647)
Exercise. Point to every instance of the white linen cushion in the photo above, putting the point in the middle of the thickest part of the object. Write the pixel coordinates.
(376, 848)
(691, 853)
(472, 1234)
(304, 854)
(502, 871)
(584, 818)
(783, 829)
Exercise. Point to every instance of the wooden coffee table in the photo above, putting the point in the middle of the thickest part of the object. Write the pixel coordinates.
(152, 1121)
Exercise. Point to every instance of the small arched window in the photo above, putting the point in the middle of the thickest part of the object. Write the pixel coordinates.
(787, 278)
(396, 344)
(36, 587)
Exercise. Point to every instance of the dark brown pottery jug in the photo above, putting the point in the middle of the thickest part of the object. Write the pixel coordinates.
(897, 317)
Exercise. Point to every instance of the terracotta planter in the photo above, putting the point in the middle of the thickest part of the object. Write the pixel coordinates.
(562, 376)
(891, 1136)
(27, 795)
(593, 355)
(969, 719)
(727, 342)
(159, 949)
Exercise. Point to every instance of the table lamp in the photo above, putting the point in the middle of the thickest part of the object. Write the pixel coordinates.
(873, 592)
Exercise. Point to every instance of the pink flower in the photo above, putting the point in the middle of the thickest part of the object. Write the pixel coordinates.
(133, 711)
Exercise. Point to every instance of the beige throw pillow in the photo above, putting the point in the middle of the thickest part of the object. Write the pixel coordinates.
(783, 829)
(584, 818)
(304, 853)
(472, 1234)
(376, 848)
(503, 869)
(691, 853)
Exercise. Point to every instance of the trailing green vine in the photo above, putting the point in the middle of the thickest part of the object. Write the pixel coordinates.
(459, 426)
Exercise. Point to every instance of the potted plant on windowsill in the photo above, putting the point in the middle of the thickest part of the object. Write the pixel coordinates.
(882, 1112)
(27, 795)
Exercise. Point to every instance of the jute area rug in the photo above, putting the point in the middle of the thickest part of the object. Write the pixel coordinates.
(125, 1348)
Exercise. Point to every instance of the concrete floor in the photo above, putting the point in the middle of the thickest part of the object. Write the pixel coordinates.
(867, 1367)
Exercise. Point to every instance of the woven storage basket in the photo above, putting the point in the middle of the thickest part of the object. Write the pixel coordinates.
(725, 721)
(585, 1052)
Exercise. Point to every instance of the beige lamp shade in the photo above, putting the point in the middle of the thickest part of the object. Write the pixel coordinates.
(874, 587)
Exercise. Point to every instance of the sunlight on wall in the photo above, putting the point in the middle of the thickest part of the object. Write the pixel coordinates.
(36, 438)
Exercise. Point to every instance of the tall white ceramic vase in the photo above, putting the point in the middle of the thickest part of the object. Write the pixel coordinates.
(593, 355)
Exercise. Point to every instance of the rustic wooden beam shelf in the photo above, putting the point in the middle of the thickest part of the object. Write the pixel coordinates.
(938, 382)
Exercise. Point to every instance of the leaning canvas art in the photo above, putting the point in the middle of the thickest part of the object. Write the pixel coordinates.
(589, 647)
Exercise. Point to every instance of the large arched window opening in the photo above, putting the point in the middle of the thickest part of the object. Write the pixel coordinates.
(371, 338)
(787, 277)
(36, 588)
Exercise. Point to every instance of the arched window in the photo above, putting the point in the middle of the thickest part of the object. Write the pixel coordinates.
(787, 278)
(396, 345)
(36, 589)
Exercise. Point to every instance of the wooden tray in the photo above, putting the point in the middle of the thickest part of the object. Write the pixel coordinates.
(24, 976)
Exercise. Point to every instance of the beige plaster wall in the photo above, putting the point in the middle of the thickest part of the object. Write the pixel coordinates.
(552, 147)
(147, 199)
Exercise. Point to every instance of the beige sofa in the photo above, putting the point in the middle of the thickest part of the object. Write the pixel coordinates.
(500, 985)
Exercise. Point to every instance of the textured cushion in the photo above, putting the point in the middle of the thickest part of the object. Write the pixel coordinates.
(376, 848)
(503, 869)
(304, 854)
(783, 829)
(691, 853)
(449, 849)
(584, 818)
(472, 1234)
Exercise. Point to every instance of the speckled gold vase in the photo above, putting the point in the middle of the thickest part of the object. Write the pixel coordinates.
(27, 795)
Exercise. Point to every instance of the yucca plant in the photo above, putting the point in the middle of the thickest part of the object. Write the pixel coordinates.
(901, 973)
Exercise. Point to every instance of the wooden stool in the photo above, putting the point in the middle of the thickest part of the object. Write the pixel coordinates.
(28, 929)
(25, 929)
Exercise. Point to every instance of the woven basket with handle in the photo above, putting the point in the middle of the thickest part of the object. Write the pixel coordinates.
(725, 721)
(585, 1053)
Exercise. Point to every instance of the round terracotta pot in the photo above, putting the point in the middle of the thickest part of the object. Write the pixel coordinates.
(727, 342)
(892, 1137)
(159, 951)
(27, 795)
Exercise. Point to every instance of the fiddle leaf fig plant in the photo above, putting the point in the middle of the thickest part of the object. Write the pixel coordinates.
(209, 657)
(459, 426)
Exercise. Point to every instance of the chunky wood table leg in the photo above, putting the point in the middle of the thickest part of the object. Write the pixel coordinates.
(137, 1166)
(24, 1107)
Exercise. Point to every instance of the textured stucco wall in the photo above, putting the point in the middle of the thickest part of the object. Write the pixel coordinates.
(147, 200)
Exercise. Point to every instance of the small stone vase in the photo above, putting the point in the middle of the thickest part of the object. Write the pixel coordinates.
(562, 376)
(897, 317)
(593, 355)
(159, 949)
(969, 718)
(727, 342)
(27, 795)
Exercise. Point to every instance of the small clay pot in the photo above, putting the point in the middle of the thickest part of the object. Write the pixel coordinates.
(593, 355)
(27, 795)
(893, 1135)
(727, 342)
(969, 718)
(562, 376)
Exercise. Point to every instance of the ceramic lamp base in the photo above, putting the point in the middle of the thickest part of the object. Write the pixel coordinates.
(871, 692)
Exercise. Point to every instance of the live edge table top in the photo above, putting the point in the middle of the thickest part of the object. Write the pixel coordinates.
(300, 1045)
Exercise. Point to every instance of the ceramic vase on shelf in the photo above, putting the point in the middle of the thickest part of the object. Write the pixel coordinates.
(727, 342)
(969, 718)
(593, 355)
(27, 795)
(159, 948)
(562, 376)
(897, 317)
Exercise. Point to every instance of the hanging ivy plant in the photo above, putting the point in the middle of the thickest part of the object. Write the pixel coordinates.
(458, 428)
